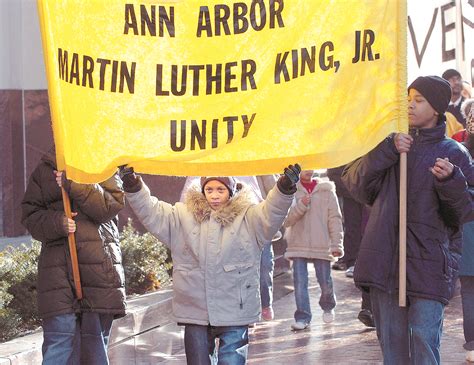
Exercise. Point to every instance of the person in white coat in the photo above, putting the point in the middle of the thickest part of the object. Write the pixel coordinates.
(215, 238)
(314, 235)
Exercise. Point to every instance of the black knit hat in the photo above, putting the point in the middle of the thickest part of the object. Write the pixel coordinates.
(450, 73)
(435, 90)
(228, 181)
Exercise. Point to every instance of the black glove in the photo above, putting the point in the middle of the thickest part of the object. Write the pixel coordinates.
(287, 182)
(131, 182)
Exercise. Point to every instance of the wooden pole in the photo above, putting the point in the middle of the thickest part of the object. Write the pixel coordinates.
(402, 285)
(72, 247)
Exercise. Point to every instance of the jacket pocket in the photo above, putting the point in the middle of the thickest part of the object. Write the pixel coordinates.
(189, 292)
(240, 266)
(185, 267)
(239, 273)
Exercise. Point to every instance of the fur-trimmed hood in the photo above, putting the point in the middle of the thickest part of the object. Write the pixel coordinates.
(197, 204)
(325, 185)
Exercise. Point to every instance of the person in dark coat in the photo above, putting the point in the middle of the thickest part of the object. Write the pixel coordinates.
(76, 331)
(352, 213)
(466, 269)
(437, 204)
(355, 218)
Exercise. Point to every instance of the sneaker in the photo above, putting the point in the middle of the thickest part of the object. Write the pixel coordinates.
(298, 326)
(328, 316)
(267, 313)
(365, 316)
(470, 356)
(339, 265)
(350, 272)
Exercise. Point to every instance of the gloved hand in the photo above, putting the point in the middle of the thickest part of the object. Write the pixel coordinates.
(131, 182)
(287, 182)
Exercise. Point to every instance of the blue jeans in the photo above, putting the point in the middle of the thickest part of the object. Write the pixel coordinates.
(200, 344)
(407, 335)
(327, 301)
(467, 296)
(266, 275)
(73, 340)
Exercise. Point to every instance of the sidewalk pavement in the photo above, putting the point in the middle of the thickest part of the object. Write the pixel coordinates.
(345, 341)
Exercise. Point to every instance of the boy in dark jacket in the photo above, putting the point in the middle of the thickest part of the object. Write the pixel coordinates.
(76, 331)
(438, 201)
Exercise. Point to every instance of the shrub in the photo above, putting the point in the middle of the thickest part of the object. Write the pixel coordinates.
(146, 265)
(145, 260)
(18, 272)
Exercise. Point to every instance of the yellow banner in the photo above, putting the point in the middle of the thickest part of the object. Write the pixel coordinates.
(203, 87)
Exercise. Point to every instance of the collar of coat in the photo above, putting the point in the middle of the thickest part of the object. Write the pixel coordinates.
(197, 204)
(320, 186)
(429, 135)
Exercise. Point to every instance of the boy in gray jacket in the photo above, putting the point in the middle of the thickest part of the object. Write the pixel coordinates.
(215, 238)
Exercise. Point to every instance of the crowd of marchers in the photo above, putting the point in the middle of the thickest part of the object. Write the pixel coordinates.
(220, 236)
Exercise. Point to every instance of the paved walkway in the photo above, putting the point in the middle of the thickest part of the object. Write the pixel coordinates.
(345, 341)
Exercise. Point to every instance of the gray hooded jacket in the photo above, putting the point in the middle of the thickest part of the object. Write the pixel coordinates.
(216, 253)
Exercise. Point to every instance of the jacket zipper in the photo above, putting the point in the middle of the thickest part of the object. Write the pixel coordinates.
(241, 299)
(415, 139)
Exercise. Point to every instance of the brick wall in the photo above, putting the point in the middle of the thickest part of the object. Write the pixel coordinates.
(25, 135)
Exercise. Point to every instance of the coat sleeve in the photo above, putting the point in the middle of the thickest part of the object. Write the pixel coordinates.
(44, 225)
(100, 202)
(267, 217)
(297, 211)
(363, 177)
(336, 232)
(158, 217)
(454, 193)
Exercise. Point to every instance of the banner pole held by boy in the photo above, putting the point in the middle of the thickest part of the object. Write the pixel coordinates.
(72, 247)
